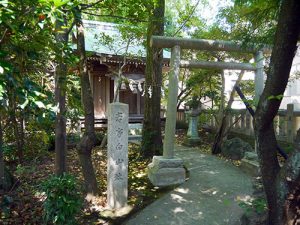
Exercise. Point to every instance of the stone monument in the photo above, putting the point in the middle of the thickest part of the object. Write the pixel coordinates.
(117, 155)
(192, 134)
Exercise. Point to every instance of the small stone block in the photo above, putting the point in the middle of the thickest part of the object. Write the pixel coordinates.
(161, 162)
(250, 167)
(164, 172)
(251, 156)
(166, 176)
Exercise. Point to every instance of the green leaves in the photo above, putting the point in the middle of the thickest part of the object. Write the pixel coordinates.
(276, 97)
(63, 200)
(59, 3)
(40, 104)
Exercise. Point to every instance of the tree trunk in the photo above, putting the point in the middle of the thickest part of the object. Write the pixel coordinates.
(284, 49)
(88, 140)
(60, 99)
(223, 129)
(15, 124)
(1, 158)
(151, 134)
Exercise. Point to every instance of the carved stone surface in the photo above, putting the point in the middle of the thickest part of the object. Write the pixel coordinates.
(193, 127)
(164, 172)
(117, 155)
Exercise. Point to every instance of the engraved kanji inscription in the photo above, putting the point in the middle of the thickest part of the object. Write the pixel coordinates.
(119, 116)
(119, 147)
(118, 176)
(119, 132)
(119, 161)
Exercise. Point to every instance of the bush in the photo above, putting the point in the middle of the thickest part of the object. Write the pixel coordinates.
(37, 140)
(99, 136)
(63, 200)
(181, 125)
(9, 152)
(36, 143)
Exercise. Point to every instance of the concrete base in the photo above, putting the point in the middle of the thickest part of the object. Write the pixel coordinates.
(164, 172)
(250, 165)
(192, 141)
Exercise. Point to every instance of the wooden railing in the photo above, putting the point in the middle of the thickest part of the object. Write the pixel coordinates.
(181, 115)
(286, 123)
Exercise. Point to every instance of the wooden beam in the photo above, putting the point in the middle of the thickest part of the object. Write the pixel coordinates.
(202, 44)
(217, 65)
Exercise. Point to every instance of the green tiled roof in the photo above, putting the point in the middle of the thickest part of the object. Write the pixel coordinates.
(95, 30)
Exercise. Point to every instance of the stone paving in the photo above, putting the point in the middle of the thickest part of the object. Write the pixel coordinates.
(208, 197)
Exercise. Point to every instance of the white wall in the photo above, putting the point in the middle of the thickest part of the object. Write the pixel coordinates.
(291, 94)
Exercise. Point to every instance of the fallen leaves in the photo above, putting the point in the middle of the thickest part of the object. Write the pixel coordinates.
(26, 200)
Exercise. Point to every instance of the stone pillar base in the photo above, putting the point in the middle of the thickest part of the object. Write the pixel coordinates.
(250, 165)
(164, 172)
(192, 141)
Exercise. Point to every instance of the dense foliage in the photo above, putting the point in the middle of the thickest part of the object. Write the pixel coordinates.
(63, 199)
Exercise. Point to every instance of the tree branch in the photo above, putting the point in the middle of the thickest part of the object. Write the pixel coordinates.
(4, 33)
(113, 16)
(86, 6)
(187, 19)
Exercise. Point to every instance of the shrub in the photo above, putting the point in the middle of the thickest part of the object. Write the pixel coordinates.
(181, 125)
(36, 143)
(63, 199)
(99, 136)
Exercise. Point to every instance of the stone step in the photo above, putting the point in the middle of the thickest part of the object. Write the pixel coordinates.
(250, 167)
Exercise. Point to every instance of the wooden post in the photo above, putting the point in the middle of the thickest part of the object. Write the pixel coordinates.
(168, 149)
(282, 129)
(138, 102)
(251, 126)
(243, 125)
(276, 125)
(248, 123)
(290, 119)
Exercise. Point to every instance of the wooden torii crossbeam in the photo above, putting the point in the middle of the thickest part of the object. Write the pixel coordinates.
(176, 44)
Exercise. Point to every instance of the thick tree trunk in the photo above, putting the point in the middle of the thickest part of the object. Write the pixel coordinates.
(60, 99)
(281, 60)
(151, 135)
(223, 129)
(88, 140)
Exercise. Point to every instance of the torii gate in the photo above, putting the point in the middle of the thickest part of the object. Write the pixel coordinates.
(166, 170)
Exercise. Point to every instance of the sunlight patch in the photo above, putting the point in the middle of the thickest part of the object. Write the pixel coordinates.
(178, 198)
(178, 210)
(182, 190)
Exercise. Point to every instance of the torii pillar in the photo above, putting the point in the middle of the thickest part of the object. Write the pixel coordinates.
(167, 170)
